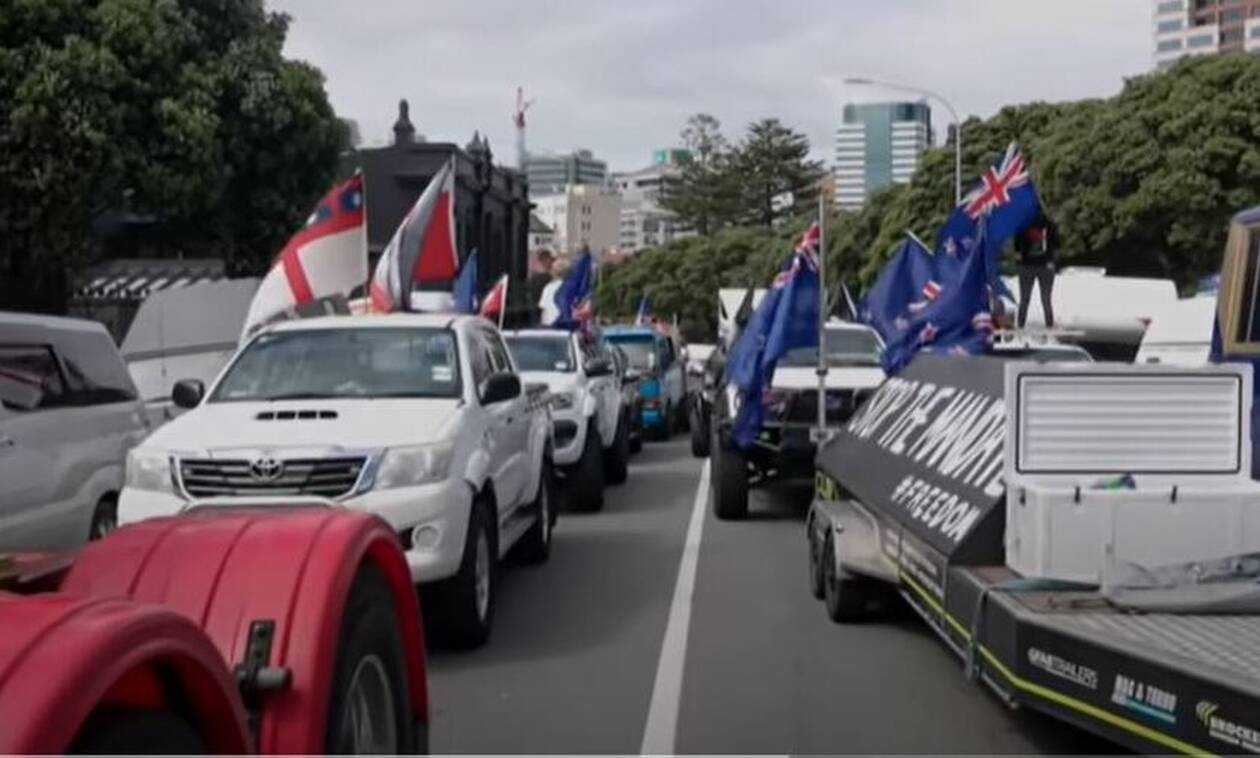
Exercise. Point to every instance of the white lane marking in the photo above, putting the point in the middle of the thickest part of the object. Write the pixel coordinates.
(662, 720)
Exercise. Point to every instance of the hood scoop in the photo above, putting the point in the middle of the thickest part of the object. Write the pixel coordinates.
(306, 415)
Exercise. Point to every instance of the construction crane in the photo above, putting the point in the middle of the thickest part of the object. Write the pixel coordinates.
(518, 118)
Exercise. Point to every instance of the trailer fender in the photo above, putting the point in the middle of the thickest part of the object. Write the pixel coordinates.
(856, 536)
(63, 657)
(227, 568)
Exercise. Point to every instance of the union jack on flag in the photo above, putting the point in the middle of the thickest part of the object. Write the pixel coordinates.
(996, 184)
(805, 254)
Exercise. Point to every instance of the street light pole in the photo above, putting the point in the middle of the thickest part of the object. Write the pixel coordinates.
(952, 113)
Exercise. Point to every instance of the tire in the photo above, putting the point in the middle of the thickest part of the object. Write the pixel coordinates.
(586, 482)
(133, 731)
(104, 518)
(815, 564)
(468, 602)
(369, 708)
(535, 546)
(617, 457)
(699, 432)
(730, 483)
(845, 595)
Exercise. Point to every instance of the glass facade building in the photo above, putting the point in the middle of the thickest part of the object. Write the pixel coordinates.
(877, 145)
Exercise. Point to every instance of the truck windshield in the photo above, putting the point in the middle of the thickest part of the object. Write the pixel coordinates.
(344, 363)
(542, 353)
(639, 350)
(845, 347)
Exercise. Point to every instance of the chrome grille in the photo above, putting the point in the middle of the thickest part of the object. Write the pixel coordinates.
(803, 406)
(325, 477)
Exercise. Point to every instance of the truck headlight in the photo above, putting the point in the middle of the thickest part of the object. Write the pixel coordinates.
(150, 470)
(414, 464)
(562, 401)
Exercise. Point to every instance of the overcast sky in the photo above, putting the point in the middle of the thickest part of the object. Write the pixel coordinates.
(621, 76)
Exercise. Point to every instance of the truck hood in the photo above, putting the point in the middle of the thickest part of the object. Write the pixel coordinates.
(359, 424)
(838, 377)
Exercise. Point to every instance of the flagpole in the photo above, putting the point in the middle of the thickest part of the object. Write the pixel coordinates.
(507, 282)
(367, 257)
(822, 315)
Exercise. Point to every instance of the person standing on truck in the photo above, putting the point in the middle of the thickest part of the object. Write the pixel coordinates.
(1036, 247)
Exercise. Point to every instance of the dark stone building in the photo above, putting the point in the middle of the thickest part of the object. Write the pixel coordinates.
(491, 203)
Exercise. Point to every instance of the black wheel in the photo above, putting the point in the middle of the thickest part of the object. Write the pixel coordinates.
(662, 431)
(730, 483)
(845, 595)
(104, 518)
(535, 546)
(586, 481)
(815, 563)
(682, 416)
(469, 596)
(617, 457)
(699, 431)
(134, 731)
(369, 710)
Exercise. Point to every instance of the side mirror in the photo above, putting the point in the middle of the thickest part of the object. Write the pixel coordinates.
(598, 367)
(500, 387)
(187, 393)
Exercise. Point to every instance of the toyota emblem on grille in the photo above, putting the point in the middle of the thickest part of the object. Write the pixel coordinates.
(266, 469)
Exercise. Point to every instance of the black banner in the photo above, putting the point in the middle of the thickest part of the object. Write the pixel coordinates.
(926, 452)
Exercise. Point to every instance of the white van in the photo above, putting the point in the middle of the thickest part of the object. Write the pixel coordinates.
(1180, 334)
(69, 413)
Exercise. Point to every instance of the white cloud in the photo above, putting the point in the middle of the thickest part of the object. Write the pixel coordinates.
(621, 77)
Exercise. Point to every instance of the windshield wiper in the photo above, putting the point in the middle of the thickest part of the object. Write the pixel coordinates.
(301, 396)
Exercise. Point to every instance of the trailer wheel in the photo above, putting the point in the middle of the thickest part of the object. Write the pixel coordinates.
(370, 708)
(617, 457)
(586, 490)
(730, 483)
(132, 731)
(815, 564)
(535, 546)
(845, 596)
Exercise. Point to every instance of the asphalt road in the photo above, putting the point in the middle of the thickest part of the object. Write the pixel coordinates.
(577, 643)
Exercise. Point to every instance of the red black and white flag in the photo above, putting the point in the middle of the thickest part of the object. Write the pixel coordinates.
(327, 257)
(422, 250)
(495, 301)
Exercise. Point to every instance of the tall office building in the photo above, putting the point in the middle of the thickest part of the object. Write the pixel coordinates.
(1203, 27)
(581, 215)
(550, 173)
(878, 144)
(645, 223)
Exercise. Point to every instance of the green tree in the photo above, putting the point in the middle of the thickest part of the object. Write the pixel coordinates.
(704, 195)
(1143, 183)
(185, 112)
(776, 177)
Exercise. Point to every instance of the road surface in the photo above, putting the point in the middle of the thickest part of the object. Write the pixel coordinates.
(573, 664)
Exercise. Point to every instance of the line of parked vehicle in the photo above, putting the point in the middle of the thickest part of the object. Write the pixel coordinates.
(466, 440)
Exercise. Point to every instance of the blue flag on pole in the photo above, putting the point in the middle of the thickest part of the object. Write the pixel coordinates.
(1006, 199)
(959, 320)
(465, 291)
(787, 318)
(909, 277)
(573, 297)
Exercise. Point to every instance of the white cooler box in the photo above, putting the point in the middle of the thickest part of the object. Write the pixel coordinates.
(1182, 434)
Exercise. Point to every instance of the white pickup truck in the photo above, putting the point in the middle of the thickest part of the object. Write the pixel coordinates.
(592, 420)
(420, 419)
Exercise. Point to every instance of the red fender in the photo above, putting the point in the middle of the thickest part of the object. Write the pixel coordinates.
(62, 656)
(224, 568)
